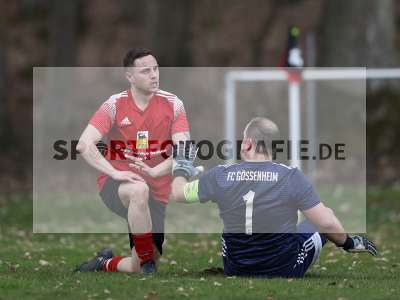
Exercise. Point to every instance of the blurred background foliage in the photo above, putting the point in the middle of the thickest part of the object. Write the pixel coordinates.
(188, 33)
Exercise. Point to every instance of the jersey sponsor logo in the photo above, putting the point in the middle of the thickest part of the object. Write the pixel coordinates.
(125, 122)
(252, 176)
(142, 140)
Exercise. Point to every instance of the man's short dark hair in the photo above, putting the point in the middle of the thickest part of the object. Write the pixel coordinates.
(133, 54)
(262, 132)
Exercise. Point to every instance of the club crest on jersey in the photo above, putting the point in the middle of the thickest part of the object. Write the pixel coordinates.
(142, 140)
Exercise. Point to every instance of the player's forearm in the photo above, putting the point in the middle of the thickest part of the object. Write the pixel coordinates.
(177, 189)
(163, 168)
(337, 238)
(94, 158)
(334, 230)
(327, 223)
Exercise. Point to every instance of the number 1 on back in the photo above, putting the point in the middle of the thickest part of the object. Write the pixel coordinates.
(248, 199)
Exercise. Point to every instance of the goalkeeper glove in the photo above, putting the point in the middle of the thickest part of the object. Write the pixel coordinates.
(358, 243)
(184, 153)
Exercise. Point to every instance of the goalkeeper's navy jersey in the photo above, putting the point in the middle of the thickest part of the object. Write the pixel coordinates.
(258, 203)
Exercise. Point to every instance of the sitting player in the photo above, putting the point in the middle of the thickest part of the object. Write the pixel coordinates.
(258, 202)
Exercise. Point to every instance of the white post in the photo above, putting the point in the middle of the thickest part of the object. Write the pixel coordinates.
(311, 129)
(311, 107)
(230, 115)
(294, 122)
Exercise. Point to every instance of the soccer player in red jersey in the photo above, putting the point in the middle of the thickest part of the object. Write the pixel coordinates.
(135, 180)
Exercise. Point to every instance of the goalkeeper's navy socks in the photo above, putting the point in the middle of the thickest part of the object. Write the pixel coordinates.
(144, 247)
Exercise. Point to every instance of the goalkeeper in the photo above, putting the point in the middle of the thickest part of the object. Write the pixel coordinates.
(259, 211)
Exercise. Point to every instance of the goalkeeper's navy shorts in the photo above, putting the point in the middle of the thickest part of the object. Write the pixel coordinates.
(293, 262)
(310, 248)
(109, 195)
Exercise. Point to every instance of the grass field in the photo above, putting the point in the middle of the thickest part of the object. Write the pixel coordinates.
(39, 266)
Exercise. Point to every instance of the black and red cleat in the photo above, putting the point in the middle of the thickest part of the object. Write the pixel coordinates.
(95, 264)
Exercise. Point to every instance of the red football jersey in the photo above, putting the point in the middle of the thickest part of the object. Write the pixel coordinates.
(145, 134)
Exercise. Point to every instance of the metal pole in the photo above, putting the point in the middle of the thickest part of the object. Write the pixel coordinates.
(294, 125)
(230, 115)
(311, 129)
(294, 122)
(311, 108)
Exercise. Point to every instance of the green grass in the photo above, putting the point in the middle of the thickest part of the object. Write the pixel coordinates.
(38, 266)
(73, 212)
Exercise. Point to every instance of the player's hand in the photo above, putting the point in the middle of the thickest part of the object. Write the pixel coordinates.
(126, 176)
(184, 153)
(361, 244)
(141, 166)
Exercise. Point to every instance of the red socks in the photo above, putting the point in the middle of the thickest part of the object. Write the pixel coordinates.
(111, 264)
(144, 246)
(144, 250)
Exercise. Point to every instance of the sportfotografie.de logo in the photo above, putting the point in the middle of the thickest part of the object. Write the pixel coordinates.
(117, 149)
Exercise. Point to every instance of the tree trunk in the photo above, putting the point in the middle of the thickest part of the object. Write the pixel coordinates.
(62, 29)
(343, 34)
(359, 33)
(168, 31)
(4, 109)
(380, 38)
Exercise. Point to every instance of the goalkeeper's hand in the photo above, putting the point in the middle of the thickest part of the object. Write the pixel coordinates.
(358, 243)
(184, 153)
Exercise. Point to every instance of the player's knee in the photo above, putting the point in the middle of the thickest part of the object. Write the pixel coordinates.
(139, 194)
(143, 190)
(138, 189)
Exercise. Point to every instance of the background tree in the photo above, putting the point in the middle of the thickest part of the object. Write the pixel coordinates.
(359, 33)
(63, 32)
(168, 31)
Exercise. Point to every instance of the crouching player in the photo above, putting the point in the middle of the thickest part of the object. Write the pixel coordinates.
(258, 202)
(135, 185)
